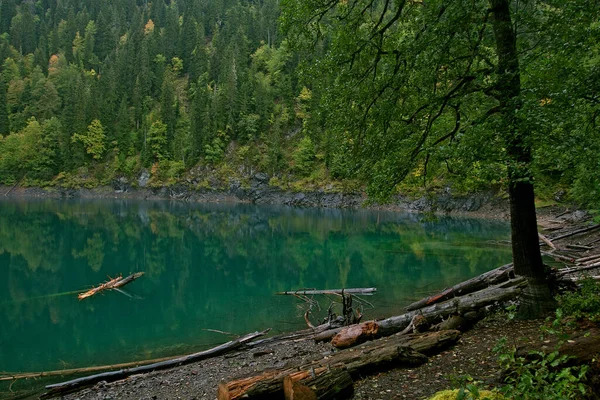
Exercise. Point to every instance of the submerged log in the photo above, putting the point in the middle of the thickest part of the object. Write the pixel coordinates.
(407, 350)
(497, 275)
(114, 283)
(364, 291)
(79, 383)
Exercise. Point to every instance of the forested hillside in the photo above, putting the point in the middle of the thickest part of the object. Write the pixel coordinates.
(92, 91)
(100, 88)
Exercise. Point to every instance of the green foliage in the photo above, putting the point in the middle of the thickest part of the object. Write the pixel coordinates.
(166, 172)
(157, 140)
(94, 140)
(470, 392)
(215, 151)
(304, 156)
(543, 377)
(582, 303)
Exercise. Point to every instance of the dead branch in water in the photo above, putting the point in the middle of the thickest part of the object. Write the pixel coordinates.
(112, 284)
(365, 291)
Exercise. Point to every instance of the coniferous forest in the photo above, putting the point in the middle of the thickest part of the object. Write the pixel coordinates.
(92, 91)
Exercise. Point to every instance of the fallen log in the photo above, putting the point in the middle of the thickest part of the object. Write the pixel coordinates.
(63, 388)
(582, 345)
(114, 283)
(360, 333)
(579, 247)
(588, 258)
(576, 232)
(497, 275)
(11, 376)
(397, 350)
(331, 384)
(363, 291)
(575, 270)
(558, 257)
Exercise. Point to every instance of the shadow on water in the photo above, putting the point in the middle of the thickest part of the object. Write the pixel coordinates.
(207, 266)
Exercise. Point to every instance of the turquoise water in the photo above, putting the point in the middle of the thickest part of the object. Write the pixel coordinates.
(206, 267)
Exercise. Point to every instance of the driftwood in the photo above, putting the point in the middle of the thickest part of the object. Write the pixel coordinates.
(405, 350)
(495, 276)
(558, 257)
(112, 284)
(6, 376)
(360, 333)
(582, 345)
(580, 247)
(331, 384)
(363, 291)
(60, 389)
(576, 232)
(547, 241)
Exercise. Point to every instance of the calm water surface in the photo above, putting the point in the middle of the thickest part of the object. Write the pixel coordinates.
(207, 267)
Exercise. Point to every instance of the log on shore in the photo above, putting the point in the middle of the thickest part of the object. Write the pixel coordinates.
(363, 291)
(576, 232)
(495, 276)
(330, 385)
(582, 345)
(396, 350)
(60, 389)
(460, 305)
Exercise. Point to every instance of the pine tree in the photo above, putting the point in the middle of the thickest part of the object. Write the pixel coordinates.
(4, 123)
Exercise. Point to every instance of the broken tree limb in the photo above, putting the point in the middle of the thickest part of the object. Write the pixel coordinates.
(579, 247)
(558, 257)
(588, 258)
(397, 350)
(354, 335)
(60, 389)
(576, 232)
(497, 275)
(364, 291)
(547, 241)
(114, 283)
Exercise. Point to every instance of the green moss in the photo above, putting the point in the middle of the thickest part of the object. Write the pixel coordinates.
(454, 394)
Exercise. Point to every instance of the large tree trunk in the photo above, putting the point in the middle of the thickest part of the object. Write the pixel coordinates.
(525, 248)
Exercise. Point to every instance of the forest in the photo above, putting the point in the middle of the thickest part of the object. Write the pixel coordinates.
(93, 91)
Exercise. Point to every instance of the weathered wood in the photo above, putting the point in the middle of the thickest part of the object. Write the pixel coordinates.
(588, 258)
(579, 247)
(395, 350)
(347, 337)
(572, 271)
(324, 384)
(582, 345)
(114, 283)
(482, 281)
(79, 383)
(547, 241)
(327, 335)
(576, 232)
(458, 305)
(363, 291)
(11, 376)
(558, 257)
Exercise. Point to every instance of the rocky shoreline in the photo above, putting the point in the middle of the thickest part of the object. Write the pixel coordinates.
(488, 204)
